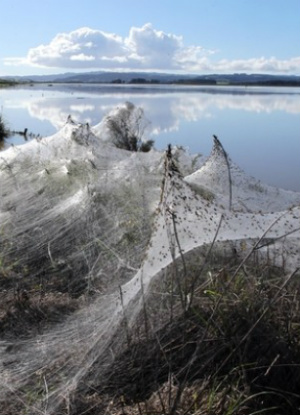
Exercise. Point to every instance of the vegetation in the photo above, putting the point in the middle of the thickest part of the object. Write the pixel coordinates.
(216, 334)
(5, 83)
(127, 128)
(4, 131)
(233, 350)
(143, 81)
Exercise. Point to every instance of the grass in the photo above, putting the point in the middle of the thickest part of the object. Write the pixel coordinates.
(216, 334)
(235, 351)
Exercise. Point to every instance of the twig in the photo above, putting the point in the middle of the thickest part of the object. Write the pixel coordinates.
(255, 247)
(219, 144)
(124, 316)
(46, 393)
(273, 240)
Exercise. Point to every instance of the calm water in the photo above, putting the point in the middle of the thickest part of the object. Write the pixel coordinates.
(259, 127)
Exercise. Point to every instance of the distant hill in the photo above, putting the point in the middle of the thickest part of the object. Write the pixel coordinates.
(163, 78)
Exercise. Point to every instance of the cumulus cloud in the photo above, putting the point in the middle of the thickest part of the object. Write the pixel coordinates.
(145, 48)
(84, 47)
(153, 48)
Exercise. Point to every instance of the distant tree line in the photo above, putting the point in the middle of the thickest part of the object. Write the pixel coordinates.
(195, 81)
(5, 82)
(211, 81)
(198, 80)
(136, 81)
(277, 82)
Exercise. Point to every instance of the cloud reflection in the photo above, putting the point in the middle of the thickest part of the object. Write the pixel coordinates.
(165, 110)
(244, 121)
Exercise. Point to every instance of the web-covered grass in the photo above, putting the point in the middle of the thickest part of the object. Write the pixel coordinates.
(120, 277)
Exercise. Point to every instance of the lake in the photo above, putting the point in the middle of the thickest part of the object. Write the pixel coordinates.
(258, 126)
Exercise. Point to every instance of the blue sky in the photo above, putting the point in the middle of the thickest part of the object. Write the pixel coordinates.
(191, 36)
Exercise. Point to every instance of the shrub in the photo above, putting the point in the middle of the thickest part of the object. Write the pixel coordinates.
(127, 127)
(4, 131)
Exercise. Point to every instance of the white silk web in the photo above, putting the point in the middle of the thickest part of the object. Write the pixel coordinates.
(86, 228)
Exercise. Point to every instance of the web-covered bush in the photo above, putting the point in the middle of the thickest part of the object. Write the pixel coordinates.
(127, 127)
(4, 132)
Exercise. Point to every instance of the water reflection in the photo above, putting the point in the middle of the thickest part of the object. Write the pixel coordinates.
(165, 109)
(245, 119)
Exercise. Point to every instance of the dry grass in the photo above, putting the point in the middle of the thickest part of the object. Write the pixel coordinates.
(236, 351)
(25, 314)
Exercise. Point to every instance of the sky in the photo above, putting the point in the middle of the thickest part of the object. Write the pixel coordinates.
(175, 36)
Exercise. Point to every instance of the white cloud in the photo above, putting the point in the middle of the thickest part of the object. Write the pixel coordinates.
(16, 61)
(261, 64)
(82, 57)
(145, 48)
(153, 48)
(83, 47)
